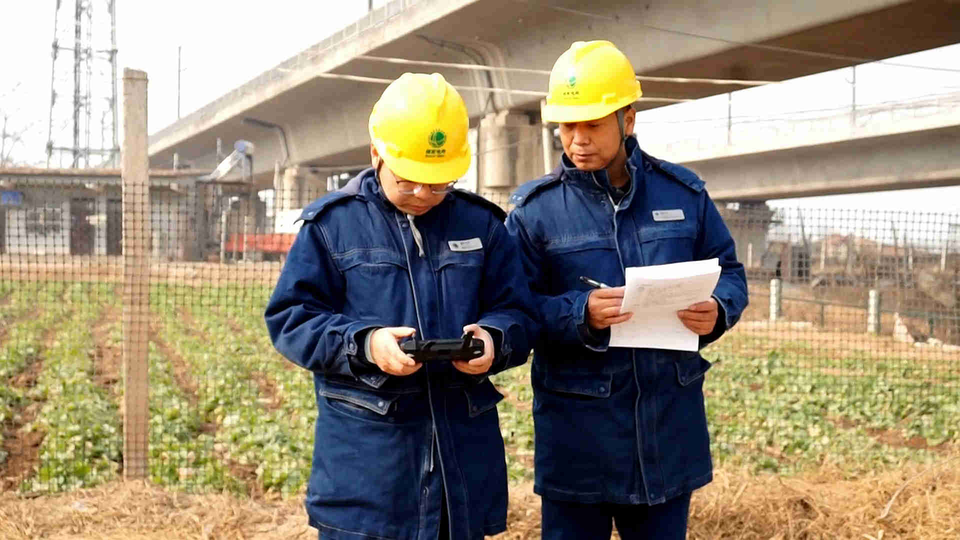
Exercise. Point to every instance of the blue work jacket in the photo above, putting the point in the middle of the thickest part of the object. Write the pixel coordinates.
(618, 425)
(385, 446)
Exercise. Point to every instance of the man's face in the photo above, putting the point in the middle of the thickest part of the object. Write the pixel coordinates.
(398, 191)
(593, 144)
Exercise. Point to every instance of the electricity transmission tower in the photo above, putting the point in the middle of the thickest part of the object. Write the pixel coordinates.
(83, 85)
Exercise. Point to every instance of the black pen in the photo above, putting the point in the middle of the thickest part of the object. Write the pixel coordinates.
(593, 283)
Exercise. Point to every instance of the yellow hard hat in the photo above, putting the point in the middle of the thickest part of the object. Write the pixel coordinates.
(589, 81)
(419, 128)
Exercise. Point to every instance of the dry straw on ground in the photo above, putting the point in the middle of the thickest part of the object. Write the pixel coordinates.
(913, 502)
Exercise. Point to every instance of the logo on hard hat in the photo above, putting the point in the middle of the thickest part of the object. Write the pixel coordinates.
(571, 92)
(438, 138)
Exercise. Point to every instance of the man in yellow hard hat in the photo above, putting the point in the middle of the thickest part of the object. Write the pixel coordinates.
(405, 447)
(621, 433)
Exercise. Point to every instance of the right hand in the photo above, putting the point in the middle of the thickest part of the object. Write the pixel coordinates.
(386, 353)
(603, 308)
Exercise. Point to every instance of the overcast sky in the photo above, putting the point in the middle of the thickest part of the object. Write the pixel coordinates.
(225, 44)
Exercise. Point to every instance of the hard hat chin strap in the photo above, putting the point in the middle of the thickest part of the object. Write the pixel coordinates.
(621, 115)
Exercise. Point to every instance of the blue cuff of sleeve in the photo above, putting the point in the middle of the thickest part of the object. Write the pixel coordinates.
(595, 340)
(367, 354)
(499, 329)
(723, 317)
(360, 357)
(719, 328)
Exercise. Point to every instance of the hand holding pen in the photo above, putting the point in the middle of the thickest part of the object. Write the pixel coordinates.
(603, 305)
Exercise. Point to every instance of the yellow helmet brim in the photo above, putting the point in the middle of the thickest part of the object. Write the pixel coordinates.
(563, 114)
(439, 172)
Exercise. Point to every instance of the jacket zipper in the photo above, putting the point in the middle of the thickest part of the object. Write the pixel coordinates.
(633, 352)
(434, 442)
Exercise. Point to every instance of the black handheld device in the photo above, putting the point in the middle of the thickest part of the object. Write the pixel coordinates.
(443, 350)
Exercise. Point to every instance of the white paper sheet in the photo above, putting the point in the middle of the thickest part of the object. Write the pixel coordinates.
(654, 294)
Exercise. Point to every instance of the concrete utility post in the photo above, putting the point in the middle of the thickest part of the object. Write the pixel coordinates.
(776, 300)
(136, 275)
(873, 312)
(547, 141)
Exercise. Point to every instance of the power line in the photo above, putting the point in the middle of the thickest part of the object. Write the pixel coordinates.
(890, 105)
(474, 67)
(357, 78)
(792, 50)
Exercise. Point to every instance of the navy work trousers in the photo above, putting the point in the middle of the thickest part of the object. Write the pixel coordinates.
(574, 521)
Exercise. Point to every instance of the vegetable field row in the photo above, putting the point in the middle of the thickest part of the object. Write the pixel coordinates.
(227, 412)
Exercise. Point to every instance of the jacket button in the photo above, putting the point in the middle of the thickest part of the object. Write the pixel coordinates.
(380, 404)
(602, 389)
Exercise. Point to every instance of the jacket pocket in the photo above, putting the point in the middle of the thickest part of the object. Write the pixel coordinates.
(374, 277)
(460, 275)
(359, 404)
(481, 398)
(691, 369)
(461, 259)
(370, 259)
(668, 242)
(583, 384)
(570, 257)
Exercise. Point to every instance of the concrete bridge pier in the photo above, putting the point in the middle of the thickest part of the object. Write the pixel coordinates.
(510, 152)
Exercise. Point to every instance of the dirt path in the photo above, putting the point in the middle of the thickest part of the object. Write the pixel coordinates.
(108, 355)
(247, 474)
(181, 371)
(22, 446)
(267, 387)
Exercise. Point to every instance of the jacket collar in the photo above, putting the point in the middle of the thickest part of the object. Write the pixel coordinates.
(598, 182)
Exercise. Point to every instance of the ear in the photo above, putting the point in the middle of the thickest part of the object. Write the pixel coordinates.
(374, 156)
(629, 120)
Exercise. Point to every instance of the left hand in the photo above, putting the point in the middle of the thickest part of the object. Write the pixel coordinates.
(478, 366)
(701, 317)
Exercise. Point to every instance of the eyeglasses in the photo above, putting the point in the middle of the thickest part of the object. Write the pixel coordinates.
(406, 187)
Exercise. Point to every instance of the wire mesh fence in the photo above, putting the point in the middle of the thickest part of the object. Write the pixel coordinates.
(848, 355)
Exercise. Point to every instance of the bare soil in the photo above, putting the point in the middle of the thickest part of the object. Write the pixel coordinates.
(22, 446)
(108, 356)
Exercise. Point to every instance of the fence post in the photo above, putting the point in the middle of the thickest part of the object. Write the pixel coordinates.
(246, 223)
(136, 274)
(873, 312)
(776, 299)
(223, 233)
